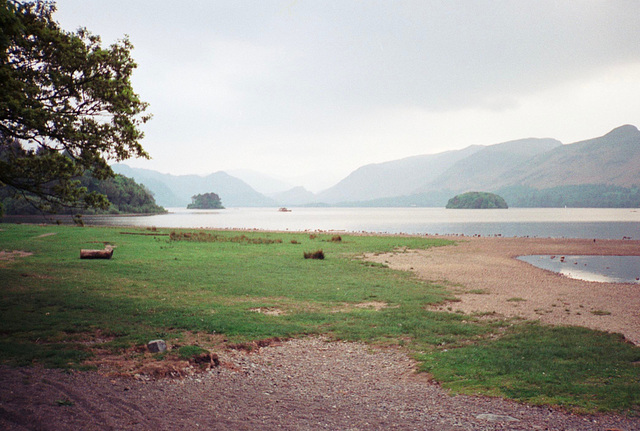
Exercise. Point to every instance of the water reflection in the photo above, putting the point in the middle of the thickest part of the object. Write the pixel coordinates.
(607, 269)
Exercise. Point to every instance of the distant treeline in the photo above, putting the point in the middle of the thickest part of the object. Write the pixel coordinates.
(125, 195)
(577, 196)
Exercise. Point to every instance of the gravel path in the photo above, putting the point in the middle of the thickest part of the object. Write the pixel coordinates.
(305, 384)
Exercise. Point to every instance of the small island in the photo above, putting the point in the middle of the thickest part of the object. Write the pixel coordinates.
(477, 200)
(206, 201)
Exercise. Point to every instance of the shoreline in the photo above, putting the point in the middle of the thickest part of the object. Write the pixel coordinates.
(485, 276)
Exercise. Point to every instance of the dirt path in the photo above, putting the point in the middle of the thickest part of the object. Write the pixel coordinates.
(486, 277)
(298, 385)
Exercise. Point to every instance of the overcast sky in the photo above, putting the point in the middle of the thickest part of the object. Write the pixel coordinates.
(313, 90)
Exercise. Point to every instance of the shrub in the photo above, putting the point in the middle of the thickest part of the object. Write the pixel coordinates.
(314, 255)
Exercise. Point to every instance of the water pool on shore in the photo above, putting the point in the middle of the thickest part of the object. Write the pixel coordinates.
(607, 269)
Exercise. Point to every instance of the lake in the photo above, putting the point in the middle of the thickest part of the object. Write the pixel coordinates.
(604, 269)
(597, 223)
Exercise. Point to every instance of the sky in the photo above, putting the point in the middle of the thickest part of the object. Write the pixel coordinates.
(308, 91)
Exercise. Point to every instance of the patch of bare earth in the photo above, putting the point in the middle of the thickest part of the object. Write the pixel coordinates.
(13, 255)
(306, 384)
(269, 311)
(486, 277)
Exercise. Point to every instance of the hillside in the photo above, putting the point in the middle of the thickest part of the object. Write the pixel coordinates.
(487, 168)
(531, 172)
(527, 172)
(177, 190)
(394, 178)
(295, 196)
(610, 159)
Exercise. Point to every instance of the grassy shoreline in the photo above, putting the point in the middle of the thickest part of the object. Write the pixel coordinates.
(243, 286)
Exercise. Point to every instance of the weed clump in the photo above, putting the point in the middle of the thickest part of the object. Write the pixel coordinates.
(314, 254)
(211, 237)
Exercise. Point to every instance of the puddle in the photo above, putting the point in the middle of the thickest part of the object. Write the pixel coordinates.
(607, 269)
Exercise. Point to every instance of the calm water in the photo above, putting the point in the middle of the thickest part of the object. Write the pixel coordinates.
(534, 222)
(610, 269)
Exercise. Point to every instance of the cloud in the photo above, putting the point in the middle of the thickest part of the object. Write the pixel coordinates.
(289, 85)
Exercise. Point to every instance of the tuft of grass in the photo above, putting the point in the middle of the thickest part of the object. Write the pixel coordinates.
(600, 312)
(478, 291)
(319, 254)
(516, 299)
(188, 352)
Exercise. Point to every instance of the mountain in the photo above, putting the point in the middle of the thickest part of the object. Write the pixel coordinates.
(177, 190)
(294, 196)
(260, 182)
(395, 178)
(532, 171)
(603, 171)
(487, 168)
(610, 159)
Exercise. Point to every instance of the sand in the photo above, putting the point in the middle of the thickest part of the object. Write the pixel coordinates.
(487, 278)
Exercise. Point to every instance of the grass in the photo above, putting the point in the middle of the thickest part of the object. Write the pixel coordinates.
(516, 299)
(600, 313)
(166, 284)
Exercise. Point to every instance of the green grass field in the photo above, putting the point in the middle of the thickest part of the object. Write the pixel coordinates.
(159, 285)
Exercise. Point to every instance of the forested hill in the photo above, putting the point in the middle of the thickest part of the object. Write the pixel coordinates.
(124, 194)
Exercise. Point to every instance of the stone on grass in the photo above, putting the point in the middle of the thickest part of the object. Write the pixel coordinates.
(157, 346)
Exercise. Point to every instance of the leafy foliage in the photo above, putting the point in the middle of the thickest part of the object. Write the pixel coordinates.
(66, 106)
(206, 201)
(477, 200)
(123, 193)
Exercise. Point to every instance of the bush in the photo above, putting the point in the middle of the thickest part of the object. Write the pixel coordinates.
(314, 255)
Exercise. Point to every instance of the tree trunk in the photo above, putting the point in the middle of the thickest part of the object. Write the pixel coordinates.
(97, 254)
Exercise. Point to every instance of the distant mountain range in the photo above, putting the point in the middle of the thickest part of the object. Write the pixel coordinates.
(177, 190)
(523, 166)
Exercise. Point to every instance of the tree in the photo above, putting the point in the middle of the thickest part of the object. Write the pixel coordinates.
(206, 201)
(67, 106)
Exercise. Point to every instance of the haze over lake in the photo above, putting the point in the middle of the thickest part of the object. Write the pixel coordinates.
(536, 222)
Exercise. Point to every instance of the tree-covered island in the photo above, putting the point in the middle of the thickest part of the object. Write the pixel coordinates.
(477, 200)
(206, 201)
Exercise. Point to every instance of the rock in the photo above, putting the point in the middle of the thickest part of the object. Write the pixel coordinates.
(496, 418)
(157, 346)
